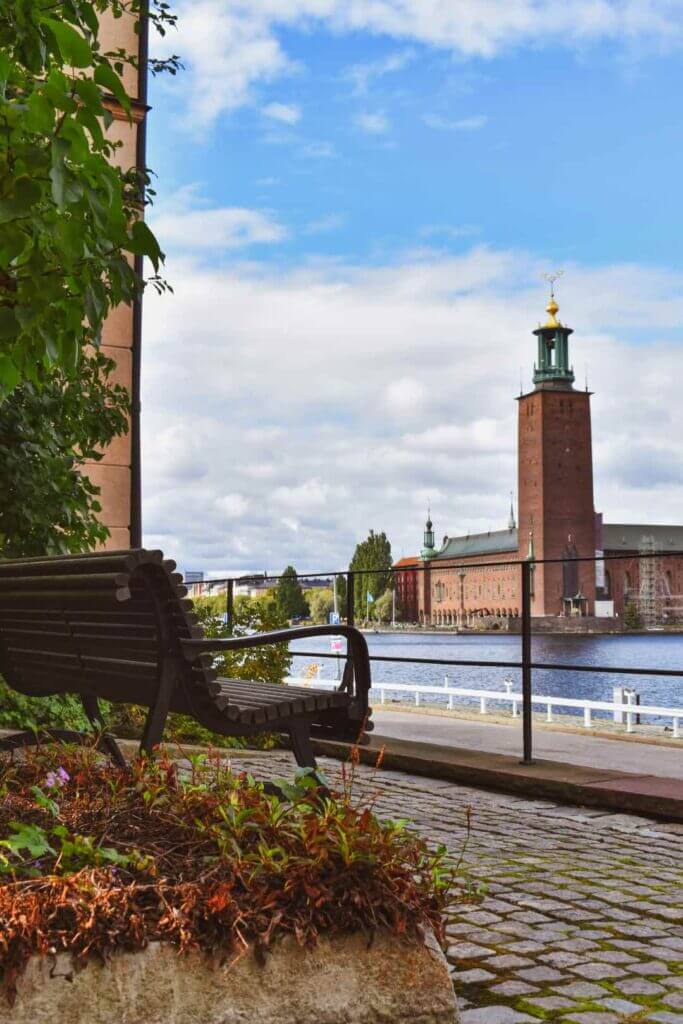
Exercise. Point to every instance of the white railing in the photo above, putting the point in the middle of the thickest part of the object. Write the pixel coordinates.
(629, 709)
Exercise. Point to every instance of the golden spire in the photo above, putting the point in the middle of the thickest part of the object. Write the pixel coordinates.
(552, 308)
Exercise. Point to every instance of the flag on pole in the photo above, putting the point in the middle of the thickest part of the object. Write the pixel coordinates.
(370, 598)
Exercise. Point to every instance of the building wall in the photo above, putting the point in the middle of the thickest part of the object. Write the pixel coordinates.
(113, 473)
(555, 482)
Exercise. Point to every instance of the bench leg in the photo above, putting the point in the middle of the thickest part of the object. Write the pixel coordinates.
(156, 719)
(300, 735)
(92, 709)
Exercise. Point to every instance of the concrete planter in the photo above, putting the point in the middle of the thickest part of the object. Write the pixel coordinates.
(340, 981)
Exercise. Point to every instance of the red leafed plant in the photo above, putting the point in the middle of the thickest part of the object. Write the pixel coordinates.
(94, 858)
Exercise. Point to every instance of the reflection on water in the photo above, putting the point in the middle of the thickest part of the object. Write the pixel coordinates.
(655, 651)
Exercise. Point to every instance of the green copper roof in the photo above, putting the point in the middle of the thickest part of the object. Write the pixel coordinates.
(629, 536)
(493, 542)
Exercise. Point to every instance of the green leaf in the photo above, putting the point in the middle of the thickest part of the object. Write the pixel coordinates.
(58, 171)
(26, 193)
(5, 65)
(9, 325)
(9, 374)
(89, 94)
(108, 79)
(41, 114)
(31, 838)
(73, 47)
(143, 243)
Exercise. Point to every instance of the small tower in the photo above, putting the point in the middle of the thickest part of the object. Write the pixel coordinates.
(512, 525)
(552, 369)
(428, 550)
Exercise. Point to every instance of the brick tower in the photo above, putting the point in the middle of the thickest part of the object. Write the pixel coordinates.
(556, 514)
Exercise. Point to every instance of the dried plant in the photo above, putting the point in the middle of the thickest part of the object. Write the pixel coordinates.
(94, 859)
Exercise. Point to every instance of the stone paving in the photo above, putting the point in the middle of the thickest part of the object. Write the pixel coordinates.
(581, 918)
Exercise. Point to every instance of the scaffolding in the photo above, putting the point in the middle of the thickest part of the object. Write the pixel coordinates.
(650, 574)
(657, 603)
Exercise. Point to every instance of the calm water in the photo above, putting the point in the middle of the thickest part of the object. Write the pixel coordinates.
(653, 651)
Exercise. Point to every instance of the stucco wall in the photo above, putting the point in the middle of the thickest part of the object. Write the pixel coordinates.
(113, 473)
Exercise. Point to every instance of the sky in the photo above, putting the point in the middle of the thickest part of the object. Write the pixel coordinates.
(358, 200)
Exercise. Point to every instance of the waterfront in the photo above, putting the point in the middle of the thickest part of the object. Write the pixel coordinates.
(657, 650)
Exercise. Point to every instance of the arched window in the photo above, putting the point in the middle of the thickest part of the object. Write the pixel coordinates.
(628, 582)
(608, 583)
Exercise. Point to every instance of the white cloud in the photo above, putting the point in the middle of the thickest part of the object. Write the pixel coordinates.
(375, 123)
(363, 75)
(315, 402)
(464, 124)
(405, 396)
(229, 45)
(232, 505)
(287, 113)
(186, 221)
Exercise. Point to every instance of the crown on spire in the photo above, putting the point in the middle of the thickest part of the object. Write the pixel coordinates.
(552, 308)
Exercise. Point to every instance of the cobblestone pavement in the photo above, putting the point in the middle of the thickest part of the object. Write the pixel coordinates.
(582, 918)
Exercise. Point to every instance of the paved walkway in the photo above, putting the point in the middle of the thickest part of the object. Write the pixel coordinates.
(570, 747)
(582, 918)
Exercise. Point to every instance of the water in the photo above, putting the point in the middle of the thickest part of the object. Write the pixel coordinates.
(657, 650)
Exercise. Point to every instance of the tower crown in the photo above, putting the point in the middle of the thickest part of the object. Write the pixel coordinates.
(552, 369)
(428, 549)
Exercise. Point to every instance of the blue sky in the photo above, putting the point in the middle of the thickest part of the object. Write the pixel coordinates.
(357, 202)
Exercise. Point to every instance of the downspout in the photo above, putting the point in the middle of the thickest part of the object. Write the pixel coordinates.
(136, 352)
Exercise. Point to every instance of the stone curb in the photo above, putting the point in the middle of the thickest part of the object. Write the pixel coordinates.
(650, 795)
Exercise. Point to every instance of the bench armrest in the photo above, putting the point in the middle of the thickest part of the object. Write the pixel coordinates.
(357, 650)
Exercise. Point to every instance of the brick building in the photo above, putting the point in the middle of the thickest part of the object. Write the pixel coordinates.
(478, 576)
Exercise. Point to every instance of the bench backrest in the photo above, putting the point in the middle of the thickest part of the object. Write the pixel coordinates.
(99, 624)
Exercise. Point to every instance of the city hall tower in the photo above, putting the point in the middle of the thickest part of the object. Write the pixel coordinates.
(555, 477)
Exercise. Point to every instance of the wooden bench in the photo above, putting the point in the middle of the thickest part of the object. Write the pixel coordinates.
(118, 626)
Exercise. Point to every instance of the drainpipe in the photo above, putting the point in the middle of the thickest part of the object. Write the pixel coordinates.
(135, 447)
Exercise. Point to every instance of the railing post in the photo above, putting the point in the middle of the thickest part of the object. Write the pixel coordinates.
(527, 723)
(229, 605)
(350, 585)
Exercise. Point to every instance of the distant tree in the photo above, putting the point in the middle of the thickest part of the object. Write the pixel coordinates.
(321, 603)
(372, 562)
(632, 616)
(381, 609)
(290, 597)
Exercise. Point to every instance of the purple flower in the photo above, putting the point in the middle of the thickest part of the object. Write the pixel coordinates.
(56, 779)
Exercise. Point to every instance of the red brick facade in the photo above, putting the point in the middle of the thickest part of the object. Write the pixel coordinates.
(478, 577)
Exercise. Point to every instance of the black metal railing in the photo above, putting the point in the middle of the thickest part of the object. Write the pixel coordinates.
(525, 665)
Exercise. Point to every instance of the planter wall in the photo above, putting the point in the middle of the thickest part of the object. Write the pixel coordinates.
(339, 981)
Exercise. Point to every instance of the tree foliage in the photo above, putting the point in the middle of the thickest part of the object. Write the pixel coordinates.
(372, 564)
(321, 603)
(250, 615)
(69, 217)
(632, 616)
(290, 597)
(382, 608)
(47, 431)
